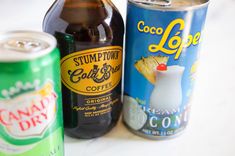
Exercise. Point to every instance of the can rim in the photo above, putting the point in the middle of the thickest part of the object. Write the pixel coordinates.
(204, 3)
(18, 57)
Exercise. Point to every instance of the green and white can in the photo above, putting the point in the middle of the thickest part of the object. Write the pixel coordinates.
(30, 95)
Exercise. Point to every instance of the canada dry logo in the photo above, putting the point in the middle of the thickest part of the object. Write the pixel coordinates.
(28, 109)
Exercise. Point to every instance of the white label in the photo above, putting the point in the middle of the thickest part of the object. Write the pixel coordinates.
(28, 115)
(9, 148)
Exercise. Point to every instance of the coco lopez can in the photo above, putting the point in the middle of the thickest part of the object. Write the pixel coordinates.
(30, 95)
(163, 39)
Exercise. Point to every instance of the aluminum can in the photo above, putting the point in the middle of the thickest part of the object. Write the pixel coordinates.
(30, 95)
(162, 43)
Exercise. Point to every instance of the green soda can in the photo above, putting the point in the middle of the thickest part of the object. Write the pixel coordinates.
(30, 95)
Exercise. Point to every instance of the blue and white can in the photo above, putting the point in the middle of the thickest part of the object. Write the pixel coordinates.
(162, 43)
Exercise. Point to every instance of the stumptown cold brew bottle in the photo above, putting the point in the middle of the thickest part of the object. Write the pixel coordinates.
(90, 37)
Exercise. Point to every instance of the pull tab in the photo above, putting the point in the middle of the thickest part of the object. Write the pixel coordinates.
(155, 2)
(24, 45)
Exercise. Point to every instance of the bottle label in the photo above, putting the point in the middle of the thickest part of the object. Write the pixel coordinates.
(92, 72)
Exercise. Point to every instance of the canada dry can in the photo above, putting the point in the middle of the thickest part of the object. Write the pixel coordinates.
(162, 44)
(30, 95)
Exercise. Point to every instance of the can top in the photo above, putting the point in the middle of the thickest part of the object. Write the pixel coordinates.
(171, 5)
(18, 46)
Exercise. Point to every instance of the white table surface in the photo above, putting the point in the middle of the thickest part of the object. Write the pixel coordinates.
(212, 128)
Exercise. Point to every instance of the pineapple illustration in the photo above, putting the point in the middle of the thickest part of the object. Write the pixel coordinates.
(147, 66)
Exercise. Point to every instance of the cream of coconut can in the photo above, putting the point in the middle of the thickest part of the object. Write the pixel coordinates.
(30, 95)
(162, 53)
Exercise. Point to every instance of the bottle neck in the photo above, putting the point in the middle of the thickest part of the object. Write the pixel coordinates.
(85, 3)
(86, 11)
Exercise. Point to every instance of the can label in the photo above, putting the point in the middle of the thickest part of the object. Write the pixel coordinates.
(161, 62)
(30, 107)
(93, 74)
(28, 113)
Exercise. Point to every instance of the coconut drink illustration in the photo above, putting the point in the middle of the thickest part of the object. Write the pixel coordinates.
(167, 93)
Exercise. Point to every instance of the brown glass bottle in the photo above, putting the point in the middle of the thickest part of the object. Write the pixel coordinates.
(92, 78)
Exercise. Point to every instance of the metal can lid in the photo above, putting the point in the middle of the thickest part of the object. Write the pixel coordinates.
(171, 5)
(154, 2)
(18, 46)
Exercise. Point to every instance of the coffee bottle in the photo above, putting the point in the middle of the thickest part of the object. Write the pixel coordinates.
(90, 38)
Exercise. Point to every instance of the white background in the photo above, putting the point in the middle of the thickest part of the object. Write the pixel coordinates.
(212, 128)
